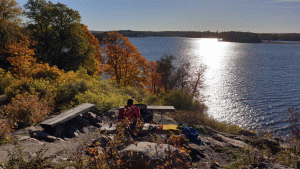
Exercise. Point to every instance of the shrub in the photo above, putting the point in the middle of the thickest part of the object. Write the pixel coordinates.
(152, 99)
(65, 94)
(192, 118)
(27, 109)
(6, 128)
(182, 100)
(42, 86)
(104, 94)
(18, 87)
(45, 71)
(135, 93)
(294, 121)
(6, 79)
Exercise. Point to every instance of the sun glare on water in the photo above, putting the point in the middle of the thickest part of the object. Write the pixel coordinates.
(209, 51)
(215, 56)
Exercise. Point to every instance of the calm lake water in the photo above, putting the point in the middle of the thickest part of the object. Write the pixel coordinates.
(251, 85)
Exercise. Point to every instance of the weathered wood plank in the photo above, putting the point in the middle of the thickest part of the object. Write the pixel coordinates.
(162, 108)
(159, 108)
(67, 115)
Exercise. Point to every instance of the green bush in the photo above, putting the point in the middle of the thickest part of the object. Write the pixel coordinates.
(104, 94)
(138, 94)
(42, 87)
(18, 87)
(6, 79)
(152, 99)
(182, 100)
(65, 94)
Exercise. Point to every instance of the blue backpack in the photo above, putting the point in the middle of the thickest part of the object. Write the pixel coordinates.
(191, 134)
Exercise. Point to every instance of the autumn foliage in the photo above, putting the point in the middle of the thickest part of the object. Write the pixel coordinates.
(27, 109)
(21, 57)
(96, 68)
(154, 81)
(123, 62)
(6, 128)
(23, 63)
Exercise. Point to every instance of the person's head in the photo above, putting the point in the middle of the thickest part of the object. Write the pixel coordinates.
(129, 102)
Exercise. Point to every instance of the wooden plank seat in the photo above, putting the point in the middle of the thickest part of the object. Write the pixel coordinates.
(160, 109)
(67, 115)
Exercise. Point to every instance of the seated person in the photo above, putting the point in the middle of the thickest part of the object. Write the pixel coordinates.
(130, 111)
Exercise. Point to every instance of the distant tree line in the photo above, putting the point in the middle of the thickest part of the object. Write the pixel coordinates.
(245, 37)
(191, 34)
(280, 36)
(232, 36)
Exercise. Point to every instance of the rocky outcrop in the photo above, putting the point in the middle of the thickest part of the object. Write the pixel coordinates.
(230, 142)
(42, 135)
(197, 152)
(150, 149)
(149, 154)
(217, 149)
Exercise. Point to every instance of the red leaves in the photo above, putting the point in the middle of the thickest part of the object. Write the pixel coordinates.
(27, 109)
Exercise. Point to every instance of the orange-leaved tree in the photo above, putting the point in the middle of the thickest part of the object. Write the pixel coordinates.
(123, 62)
(23, 63)
(96, 68)
(21, 57)
(154, 83)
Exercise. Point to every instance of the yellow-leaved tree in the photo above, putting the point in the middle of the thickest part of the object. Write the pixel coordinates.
(21, 57)
(123, 62)
(10, 13)
(24, 65)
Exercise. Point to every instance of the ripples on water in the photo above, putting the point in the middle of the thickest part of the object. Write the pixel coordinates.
(251, 85)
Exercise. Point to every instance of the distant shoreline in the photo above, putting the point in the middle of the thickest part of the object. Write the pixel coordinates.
(289, 43)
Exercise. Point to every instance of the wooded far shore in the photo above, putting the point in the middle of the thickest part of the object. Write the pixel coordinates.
(231, 36)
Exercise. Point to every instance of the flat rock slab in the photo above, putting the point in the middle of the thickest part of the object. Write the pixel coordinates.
(109, 127)
(153, 150)
(230, 142)
(42, 135)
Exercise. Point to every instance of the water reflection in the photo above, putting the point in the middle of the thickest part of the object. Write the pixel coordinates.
(251, 85)
(218, 58)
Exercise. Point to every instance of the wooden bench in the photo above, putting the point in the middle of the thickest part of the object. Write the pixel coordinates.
(67, 115)
(160, 109)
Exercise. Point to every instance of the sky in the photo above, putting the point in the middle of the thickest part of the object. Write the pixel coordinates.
(258, 16)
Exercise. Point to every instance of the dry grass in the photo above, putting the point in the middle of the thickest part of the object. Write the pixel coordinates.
(191, 118)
